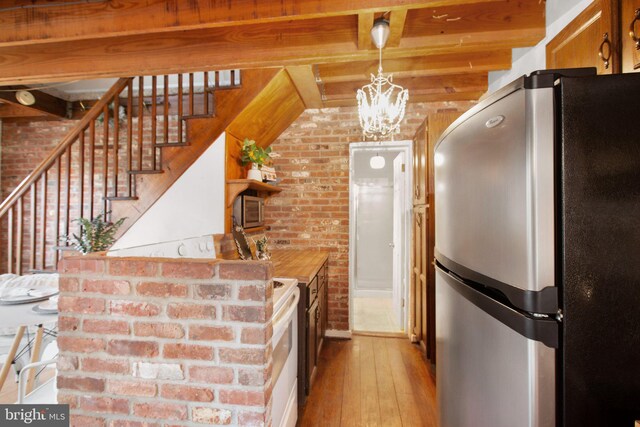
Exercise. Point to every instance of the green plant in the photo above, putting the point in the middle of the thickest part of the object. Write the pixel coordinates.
(251, 153)
(261, 244)
(262, 249)
(95, 234)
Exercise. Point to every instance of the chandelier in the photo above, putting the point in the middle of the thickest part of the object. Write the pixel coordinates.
(381, 103)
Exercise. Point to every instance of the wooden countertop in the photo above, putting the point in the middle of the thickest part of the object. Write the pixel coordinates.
(300, 264)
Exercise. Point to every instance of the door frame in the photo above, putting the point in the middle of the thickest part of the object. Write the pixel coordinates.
(382, 146)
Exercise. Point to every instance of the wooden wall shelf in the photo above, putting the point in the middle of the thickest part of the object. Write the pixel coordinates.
(237, 186)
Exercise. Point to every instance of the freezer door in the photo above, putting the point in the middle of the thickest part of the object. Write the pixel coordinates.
(488, 375)
(494, 188)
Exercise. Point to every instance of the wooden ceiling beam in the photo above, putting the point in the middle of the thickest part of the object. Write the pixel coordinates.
(429, 65)
(397, 20)
(469, 19)
(365, 23)
(304, 80)
(45, 104)
(431, 97)
(462, 83)
(39, 21)
(11, 111)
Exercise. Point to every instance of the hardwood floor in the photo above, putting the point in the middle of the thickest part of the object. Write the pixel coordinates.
(371, 381)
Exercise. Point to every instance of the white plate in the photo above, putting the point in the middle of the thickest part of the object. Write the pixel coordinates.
(37, 309)
(49, 305)
(34, 295)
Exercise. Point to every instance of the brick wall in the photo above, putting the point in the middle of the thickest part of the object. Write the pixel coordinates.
(160, 341)
(313, 209)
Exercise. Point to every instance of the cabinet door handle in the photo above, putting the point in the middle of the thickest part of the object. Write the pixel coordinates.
(632, 29)
(601, 53)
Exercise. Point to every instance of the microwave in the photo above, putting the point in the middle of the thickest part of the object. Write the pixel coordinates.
(248, 211)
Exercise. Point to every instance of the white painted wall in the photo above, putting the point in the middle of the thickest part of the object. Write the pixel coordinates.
(525, 60)
(374, 233)
(193, 206)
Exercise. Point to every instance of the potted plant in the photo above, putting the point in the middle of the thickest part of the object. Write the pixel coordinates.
(95, 235)
(254, 155)
(262, 249)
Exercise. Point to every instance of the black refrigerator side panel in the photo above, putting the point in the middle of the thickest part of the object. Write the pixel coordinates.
(599, 196)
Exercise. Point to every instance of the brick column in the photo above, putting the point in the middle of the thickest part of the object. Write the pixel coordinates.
(150, 342)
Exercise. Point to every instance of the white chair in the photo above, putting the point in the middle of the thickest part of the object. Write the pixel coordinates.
(45, 393)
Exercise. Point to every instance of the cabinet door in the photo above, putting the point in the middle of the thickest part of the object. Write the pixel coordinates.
(419, 165)
(419, 267)
(319, 323)
(311, 344)
(630, 23)
(312, 292)
(324, 313)
(590, 39)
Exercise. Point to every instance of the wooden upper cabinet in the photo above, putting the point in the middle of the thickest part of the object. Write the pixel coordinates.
(590, 40)
(420, 165)
(630, 23)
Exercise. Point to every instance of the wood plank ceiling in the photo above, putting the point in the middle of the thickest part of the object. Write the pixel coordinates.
(439, 49)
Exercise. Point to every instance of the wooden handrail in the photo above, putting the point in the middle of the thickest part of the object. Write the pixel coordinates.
(93, 113)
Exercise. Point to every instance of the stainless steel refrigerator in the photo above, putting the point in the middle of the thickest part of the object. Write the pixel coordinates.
(538, 255)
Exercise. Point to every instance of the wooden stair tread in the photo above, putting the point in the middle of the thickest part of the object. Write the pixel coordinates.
(198, 116)
(112, 198)
(145, 171)
(172, 144)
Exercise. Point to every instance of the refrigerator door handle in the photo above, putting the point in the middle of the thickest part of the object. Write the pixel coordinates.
(542, 301)
(545, 330)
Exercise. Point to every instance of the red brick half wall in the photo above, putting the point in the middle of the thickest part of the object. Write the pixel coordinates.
(148, 341)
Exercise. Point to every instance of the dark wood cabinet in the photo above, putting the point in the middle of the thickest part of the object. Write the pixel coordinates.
(316, 321)
(311, 268)
(602, 36)
(322, 310)
(312, 341)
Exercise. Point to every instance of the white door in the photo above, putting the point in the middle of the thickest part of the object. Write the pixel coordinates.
(398, 234)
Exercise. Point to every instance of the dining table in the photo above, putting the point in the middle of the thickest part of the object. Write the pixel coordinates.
(21, 317)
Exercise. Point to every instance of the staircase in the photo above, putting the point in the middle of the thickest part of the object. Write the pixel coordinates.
(100, 165)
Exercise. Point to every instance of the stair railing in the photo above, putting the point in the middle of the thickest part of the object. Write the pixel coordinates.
(120, 136)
